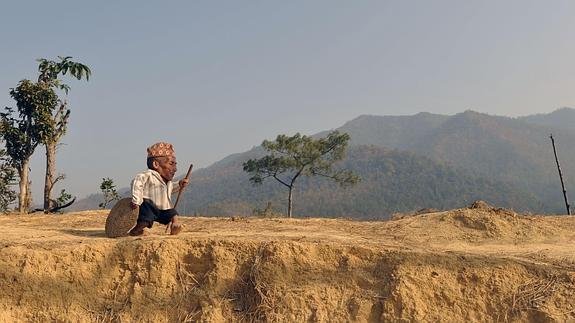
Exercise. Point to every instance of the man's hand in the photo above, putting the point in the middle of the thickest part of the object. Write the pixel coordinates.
(183, 183)
(133, 205)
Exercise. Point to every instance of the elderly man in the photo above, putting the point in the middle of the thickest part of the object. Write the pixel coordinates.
(152, 189)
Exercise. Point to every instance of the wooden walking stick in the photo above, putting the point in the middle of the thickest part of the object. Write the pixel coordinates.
(180, 193)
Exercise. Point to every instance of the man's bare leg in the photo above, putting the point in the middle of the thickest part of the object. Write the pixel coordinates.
(175, 226)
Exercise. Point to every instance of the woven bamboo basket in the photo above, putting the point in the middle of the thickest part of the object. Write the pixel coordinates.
(122, 218)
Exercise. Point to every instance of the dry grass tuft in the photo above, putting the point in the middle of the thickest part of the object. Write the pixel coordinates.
(189, 288)
(254, 300)
(532, 295)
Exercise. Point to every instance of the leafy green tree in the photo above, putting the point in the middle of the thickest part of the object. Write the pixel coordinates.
(24, 128)
(109, 190)
(41, 117)
(7, 179)
(295, 156)
(56, 119)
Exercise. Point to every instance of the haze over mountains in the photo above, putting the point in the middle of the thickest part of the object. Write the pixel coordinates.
(407, 163)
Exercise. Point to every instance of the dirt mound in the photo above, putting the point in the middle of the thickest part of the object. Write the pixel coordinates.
(479, 204)
(459, 265)
(480, 223)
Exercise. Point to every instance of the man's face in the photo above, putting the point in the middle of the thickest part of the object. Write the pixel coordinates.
(166, 166)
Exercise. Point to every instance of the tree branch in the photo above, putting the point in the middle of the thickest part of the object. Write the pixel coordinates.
(324, 175)
(279, 180)
(297, 175)
(56, 180)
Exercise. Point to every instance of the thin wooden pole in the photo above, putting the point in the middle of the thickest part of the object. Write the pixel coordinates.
(561, 177)
(180, 191)
(169, 226)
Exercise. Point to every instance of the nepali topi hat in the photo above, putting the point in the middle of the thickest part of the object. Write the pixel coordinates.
(161, 149)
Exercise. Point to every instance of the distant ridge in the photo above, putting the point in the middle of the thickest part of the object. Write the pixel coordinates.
(397, 132)
(563, 118)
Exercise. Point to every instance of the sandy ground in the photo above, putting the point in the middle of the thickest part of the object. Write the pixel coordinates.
(473, 264)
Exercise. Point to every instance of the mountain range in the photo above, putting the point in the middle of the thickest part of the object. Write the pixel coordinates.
(407, 163)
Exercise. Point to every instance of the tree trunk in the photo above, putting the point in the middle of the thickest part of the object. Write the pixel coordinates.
(50, 170)
(290, 202)
(23, 173)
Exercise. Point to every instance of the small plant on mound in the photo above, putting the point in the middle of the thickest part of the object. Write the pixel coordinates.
(64, 198)
(267, 212)
(109, 190)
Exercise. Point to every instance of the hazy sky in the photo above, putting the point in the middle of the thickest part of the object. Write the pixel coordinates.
(218, 77)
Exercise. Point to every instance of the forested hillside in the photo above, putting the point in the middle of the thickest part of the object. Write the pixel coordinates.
(513, 150)
(395, 132)
(392, 181)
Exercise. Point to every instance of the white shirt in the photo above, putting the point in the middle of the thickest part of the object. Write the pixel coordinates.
(149, 184)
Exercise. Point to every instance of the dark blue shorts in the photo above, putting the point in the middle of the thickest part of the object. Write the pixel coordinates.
(149, 212)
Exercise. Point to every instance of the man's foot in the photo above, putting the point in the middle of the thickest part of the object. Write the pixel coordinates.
(138, 230)
(139, 234)
(176, 229)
